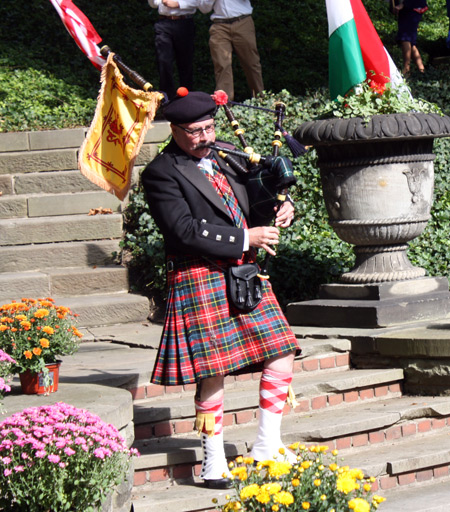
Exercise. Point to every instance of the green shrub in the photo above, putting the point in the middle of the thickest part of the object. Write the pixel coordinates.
(310, 253)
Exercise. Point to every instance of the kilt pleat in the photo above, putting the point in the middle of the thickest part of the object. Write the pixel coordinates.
(203, 337)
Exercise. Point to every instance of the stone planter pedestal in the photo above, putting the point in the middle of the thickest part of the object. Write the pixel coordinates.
(377, 180)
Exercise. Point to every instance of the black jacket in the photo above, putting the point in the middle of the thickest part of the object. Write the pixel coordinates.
(188, 210)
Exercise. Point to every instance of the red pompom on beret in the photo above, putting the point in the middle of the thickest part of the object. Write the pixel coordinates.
(189, 107)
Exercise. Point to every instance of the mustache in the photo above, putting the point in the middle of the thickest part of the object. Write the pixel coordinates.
(203, 145)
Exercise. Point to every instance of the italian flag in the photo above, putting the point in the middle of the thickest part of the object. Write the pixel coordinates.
(355, 49)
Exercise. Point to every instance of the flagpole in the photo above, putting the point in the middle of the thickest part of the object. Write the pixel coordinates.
(131, 74)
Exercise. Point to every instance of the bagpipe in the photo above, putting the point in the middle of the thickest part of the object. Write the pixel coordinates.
(267, 178)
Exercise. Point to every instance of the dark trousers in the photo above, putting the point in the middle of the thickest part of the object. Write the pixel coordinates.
(174, 41)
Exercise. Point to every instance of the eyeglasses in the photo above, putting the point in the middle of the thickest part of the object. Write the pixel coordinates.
(198, 131)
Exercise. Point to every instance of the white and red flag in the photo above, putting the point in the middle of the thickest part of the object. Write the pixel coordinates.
(355, 49)
(81, 29)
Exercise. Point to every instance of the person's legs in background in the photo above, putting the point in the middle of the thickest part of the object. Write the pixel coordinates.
(244, 43)
(220, 46)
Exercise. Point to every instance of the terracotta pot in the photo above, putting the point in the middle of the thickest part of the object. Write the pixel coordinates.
(34, 383)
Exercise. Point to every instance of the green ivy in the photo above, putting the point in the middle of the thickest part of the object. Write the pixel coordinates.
(310, 253)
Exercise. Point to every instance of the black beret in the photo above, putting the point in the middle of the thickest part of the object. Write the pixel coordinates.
(190, 107)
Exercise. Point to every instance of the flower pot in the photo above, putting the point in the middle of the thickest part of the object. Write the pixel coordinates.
(377, 180)
(34, 383)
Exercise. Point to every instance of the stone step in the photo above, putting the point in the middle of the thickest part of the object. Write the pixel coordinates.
(174, 414)
(59, 229)
(57, 182)
(18, 162)
(44, 205)
(427, 497)
(24, 258)
(109, 309)
(63, 282)
(403, 464)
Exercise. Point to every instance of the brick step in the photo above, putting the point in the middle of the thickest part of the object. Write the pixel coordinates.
(63, 228)
(108, 309)
(136, 345)
(24, 258)
(168, 416)
(43, 205)
(395, 463)
(405, 463)
(63, 282)
(347, 428)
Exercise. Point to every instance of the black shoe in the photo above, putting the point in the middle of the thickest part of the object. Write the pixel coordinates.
(219, 483)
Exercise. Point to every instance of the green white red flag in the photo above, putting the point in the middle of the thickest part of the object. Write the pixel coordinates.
(355, 49)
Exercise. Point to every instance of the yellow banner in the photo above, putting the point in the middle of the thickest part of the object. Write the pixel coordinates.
(122, 118)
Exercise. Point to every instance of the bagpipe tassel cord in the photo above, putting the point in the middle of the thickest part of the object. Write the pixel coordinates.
(296, 147)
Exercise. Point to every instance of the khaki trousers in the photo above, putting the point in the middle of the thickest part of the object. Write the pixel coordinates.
(238, 36)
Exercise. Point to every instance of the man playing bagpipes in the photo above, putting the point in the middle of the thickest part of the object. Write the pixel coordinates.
(201, 205)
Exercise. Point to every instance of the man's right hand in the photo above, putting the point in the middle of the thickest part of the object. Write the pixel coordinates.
(263, 237)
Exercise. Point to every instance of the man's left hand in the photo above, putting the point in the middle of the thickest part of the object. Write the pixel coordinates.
(285, 215)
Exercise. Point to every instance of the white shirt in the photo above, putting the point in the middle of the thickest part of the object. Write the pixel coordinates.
(225, 9)
(187, 7)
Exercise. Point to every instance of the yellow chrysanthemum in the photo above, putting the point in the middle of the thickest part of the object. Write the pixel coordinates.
(240, 472)
(284, 498)
(278, 469)
(295, 482)
(346, 483)
(25, 324)
(271, 488)
(249, 460)
(367, 487)
(48, 330)
(323, 497)
(294, 446)
(306, 505)
(317, 482)
(306, 464)
(333, 467)
(20, 318)
(378, 499)
(263, 497)
(359, 505)
(250, 491)
(275, 508)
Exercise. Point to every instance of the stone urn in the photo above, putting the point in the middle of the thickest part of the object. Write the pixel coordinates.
(377, 178)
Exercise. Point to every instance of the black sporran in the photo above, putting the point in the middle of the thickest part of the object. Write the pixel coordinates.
(244, 286)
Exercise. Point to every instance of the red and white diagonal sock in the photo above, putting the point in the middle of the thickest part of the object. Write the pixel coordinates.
(273, 390)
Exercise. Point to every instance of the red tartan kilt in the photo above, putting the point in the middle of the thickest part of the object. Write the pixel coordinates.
(203, 337)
